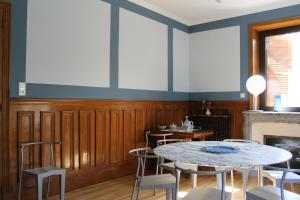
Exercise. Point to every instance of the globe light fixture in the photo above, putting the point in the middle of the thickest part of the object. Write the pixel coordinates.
(256, 84)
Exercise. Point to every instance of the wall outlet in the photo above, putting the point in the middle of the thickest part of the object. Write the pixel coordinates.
(242, 95)
(22, 89)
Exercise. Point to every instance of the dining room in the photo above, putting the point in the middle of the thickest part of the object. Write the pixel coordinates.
(149, 99)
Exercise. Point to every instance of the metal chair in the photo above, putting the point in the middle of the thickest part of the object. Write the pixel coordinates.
(201, 193)
(150, 182)
(170, 165)
(274, 193)
(159, 135)
(276, 176)
(40, 173)
(244, 170)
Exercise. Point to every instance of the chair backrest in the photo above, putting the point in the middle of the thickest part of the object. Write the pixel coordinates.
(215, 172)
(169, 141)
(241, 140)
(285, 171)
(141, 154)
(151, 134)
(24, 145)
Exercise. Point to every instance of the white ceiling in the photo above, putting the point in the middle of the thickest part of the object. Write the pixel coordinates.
(193, 12)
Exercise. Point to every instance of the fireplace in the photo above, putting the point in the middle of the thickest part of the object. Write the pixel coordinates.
(291, 144)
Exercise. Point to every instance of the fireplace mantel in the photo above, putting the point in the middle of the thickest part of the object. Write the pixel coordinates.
(251, 117)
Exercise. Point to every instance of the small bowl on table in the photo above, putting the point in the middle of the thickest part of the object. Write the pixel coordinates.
(161, 127)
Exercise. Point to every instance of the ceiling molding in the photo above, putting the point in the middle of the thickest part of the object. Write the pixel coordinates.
(160, 11)
(206, 19)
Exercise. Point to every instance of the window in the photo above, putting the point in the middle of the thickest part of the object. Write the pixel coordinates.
(280, 64)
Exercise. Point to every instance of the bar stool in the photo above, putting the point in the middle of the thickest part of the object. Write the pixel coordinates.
(40, 173)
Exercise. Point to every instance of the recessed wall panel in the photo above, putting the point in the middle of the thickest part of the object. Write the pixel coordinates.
(181, 62)
(215, 60)
(143, 53)
(68, 42)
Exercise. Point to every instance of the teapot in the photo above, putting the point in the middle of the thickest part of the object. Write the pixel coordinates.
(187, 125)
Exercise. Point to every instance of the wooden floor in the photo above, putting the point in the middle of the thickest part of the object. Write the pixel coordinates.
(120, 189)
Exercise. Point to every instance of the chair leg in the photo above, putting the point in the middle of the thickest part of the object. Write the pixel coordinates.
(168, 194)
(20, 187)
(138, 191)
(194, 180)
(177, 186)
(39, 188)
(48, 188)
(232, 180)
(174, 193)
(245, 175)
(133, 189)
(62, 186)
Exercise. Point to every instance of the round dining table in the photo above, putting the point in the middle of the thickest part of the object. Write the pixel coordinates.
(248, 155)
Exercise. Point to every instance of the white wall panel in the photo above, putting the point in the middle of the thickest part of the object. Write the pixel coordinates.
(215, 60)
(181, 61)
(68, 42)
(143, 53)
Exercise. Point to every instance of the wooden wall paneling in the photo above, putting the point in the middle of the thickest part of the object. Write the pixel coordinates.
(130, 120)
(4, 62)
(140, 126)
(87, 139)
(160, 117)
(168, 116)
(25, 134)
(96, 135)
(117, 136)
(69, 135)
(102, 138)
(47, 134)
(58, 138)
(151, 118)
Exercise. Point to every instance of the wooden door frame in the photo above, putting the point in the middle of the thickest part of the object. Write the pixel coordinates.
(4, 134)
(254, 46)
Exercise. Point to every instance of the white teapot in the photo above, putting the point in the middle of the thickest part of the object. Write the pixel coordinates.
(187, 125)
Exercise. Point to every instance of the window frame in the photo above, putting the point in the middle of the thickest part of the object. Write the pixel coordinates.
(262, 62)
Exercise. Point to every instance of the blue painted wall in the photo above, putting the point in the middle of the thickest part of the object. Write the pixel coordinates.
(18, 56)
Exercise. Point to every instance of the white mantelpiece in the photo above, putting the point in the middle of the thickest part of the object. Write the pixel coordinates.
(258, 124)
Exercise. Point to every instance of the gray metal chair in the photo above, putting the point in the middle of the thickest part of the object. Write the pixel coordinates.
(40, 173)
(202, 193)
(159, 135)
(244, 170)
(170, 165)
(276, 176)
(274, 193)
(150, 182)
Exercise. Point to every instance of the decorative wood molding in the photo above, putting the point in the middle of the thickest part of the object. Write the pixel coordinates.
(254, 46)
(4, 95)
(96, 135)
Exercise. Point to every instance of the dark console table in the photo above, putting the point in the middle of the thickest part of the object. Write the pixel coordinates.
(219, 124)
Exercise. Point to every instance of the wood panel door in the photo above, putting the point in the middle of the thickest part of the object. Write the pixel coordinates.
(4, 88)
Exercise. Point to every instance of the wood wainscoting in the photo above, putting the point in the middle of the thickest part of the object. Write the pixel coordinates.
(235, 109)
(96, 136)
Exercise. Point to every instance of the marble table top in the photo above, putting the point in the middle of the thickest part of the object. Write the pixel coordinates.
(249, 155)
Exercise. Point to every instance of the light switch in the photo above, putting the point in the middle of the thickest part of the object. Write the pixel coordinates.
(242, 95)
(22, 89)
